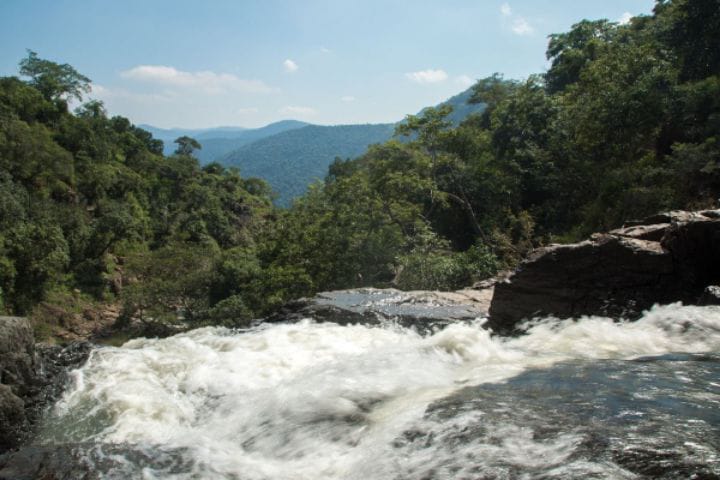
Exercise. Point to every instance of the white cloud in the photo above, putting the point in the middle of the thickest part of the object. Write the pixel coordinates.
(625, 18)
(97, 89)
(325, 50)
(247, 110)
(207, 81)
(464, 81)
(427, 76)
(299, 111)
(520, 26)
(290, 66)
(100, 92)
(347, 98)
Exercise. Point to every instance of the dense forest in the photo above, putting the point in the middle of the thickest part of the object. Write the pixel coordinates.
(625, 122)
(289, 161)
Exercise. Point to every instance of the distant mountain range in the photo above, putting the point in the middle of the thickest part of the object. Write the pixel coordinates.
(290, 154)
(292, 160)
(218, 142)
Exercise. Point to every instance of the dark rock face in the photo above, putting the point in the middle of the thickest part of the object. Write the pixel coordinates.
(17, 367)
(17, 353)
(710, 296)
(12, 418)
(31, 378)
(666, 258)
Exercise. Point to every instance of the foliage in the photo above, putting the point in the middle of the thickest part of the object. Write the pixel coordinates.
(624, 123)
(86, 200)
(186, 145)
(432, 265)
(169, 284)
(54, 80)
(291, 160)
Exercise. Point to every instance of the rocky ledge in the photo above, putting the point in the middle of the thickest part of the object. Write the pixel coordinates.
(665, 258)
(32, 377)
(421, 309)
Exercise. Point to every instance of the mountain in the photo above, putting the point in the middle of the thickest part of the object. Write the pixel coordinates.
(217, 142)
(461, 108)
(168, 135)
(291, 160)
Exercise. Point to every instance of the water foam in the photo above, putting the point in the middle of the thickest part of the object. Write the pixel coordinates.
(322, 401)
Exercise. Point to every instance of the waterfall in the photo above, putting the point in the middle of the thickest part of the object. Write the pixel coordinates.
(322, 401)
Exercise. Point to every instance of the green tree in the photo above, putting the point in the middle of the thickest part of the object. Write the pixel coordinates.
(54, 80)
(186, 145)
(570, 52)
(171, 285)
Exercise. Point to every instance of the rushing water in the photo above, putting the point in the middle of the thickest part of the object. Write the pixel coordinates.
(570, 399)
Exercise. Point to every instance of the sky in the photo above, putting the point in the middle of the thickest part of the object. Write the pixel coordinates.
(202, 64)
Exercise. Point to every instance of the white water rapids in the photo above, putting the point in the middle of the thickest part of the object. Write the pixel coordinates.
(321, 401)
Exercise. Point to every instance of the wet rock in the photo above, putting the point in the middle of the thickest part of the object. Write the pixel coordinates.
(663, 259)
(17, 374)
(42, 463)
(17, 354)
(31, 378)
(297, 310)
(91, 462)
(711, 296)
(51, 375)
(424, 310)
(12, 418)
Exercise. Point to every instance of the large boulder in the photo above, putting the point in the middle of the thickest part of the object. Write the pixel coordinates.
(666, 258)
(31, 378)
(17, 353)
(17, 370)
(13, 422)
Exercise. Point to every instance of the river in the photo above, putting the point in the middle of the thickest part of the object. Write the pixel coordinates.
(590, 398)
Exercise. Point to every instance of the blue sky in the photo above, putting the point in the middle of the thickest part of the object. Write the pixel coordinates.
(182, 63)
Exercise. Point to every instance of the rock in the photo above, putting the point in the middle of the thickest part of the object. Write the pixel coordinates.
(51, 376)
(711, 296)
(17, 353)
(93, 462)
(45, 463)
(17, 374)
(12, 419)
(653, 233)
(297, 310)
(31, 378)
(425, 310)
(665, 258)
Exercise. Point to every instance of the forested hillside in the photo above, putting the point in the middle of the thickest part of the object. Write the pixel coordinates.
(91, 211)
(292, 160)
(218, 142)
(625, 123)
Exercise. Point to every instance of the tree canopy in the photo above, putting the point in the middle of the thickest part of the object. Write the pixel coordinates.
(52, 79)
